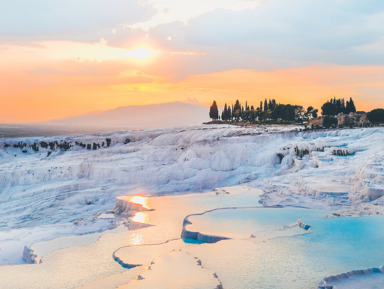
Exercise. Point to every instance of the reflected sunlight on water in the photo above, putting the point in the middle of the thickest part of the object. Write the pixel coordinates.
(136, 239)
(141, 217)
(140, 200)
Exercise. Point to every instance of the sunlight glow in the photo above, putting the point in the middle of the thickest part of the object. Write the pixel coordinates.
(140, 217)
(140, 53)
(136, 239)
(140, 200)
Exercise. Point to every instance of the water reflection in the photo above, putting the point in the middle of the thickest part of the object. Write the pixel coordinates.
(136, 239)
(284, 255)
(141, 217)
(140, 200)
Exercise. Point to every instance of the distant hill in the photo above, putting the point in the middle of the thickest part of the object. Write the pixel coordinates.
(139, 117)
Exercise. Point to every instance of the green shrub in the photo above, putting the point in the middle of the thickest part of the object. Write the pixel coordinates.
(329, 121)
(376, 115)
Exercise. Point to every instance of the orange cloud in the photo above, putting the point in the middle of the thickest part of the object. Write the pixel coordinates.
(35, 87)
(305, 85)
(311, 85)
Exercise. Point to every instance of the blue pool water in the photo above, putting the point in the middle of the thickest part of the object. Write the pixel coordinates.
(278, 254)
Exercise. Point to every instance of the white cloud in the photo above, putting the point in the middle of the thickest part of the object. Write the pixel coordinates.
(280, 34)
(80, 20)
(183, 10)
(326, 24)
(203, 36)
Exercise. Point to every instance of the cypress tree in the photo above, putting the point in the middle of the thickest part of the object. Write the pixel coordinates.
(338, 105)
(273, 104)
(213, 111)
(224, 113)
(237, 105)
(352, 105)
(236, 112)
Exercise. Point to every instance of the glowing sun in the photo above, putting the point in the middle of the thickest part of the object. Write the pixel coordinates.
(141, 53)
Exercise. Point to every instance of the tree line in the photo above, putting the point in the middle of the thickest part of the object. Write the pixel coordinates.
(336, 106)
(266, 111)
(271, 111)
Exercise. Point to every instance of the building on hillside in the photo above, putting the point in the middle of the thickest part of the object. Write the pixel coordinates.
(316, 122)
(358, 118)
(353, 119)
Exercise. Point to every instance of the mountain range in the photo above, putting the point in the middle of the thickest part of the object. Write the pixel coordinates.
(138, 117)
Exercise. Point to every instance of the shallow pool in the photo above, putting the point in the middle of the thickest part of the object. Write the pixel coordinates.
(271, 252)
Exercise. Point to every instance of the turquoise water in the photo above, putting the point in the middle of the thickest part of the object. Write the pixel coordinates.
(274, 253)
(192, 241)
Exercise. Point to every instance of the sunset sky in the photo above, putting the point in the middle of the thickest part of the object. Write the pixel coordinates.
(66, 58)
